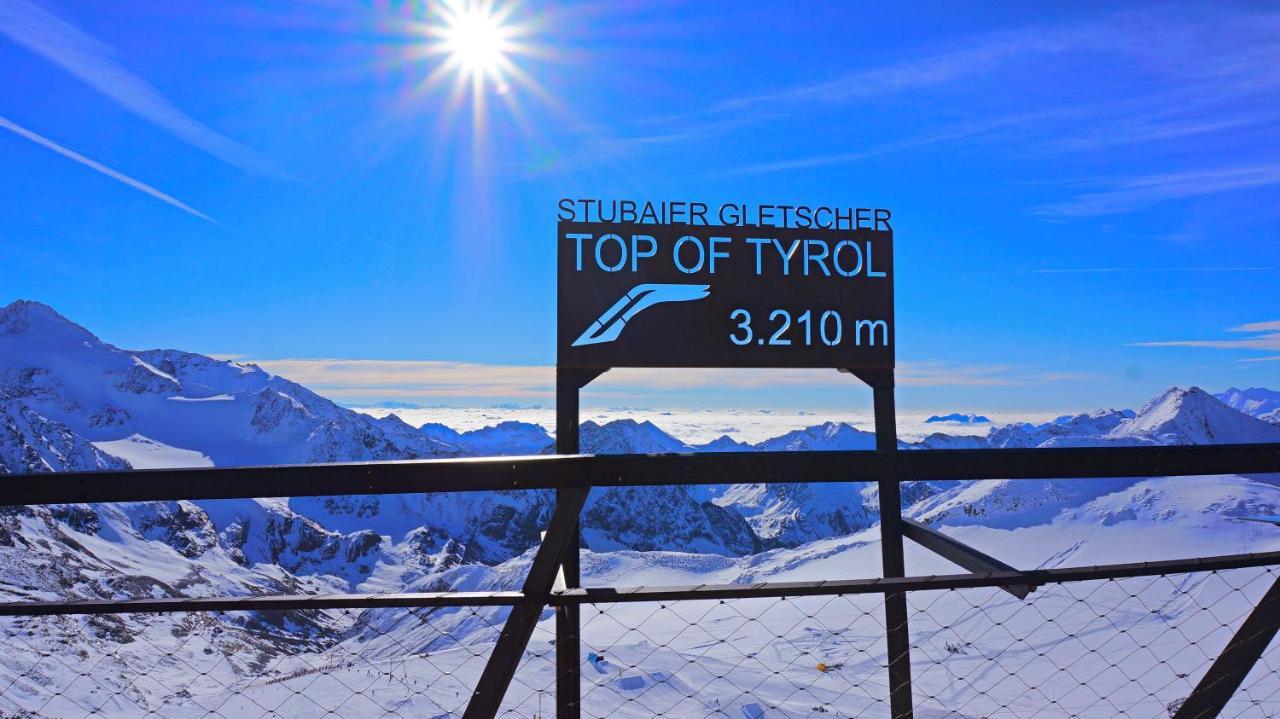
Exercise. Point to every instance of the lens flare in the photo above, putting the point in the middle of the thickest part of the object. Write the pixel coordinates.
(477, 42)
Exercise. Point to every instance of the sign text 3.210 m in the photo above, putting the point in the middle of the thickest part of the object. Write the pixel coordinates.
(807, 329)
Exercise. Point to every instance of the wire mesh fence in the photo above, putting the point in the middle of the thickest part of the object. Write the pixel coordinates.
(1133, 647)
(1129, 647)
(736, 658)
(409, 662)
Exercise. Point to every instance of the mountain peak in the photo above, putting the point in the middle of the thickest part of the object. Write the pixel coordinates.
(27, 317)
(1189, 415)
(828, 435)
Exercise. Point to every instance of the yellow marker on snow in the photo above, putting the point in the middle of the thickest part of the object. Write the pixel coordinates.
(822, 667)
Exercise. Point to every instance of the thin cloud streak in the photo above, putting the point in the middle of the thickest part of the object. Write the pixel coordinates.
(978, 57)
(99, 167)
(1266, 338)
(1143, 270)
(841, 158)
(1272, 326)
(94, 64)
(1120, 195)
(1131, 133)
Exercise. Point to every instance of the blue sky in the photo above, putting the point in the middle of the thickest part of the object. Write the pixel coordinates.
(278, 182)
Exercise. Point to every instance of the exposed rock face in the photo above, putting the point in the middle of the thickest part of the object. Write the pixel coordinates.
(30, 442)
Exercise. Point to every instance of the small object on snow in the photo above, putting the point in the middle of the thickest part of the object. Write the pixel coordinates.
(752, 711)
(630, 683)
(822, 667)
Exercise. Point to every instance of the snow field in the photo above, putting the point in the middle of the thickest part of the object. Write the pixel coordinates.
(1131, 647)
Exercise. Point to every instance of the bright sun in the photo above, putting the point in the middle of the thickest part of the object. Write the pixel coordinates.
(477, 51)
(476, 40)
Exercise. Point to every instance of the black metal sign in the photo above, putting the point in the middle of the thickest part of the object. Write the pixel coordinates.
(689, 295)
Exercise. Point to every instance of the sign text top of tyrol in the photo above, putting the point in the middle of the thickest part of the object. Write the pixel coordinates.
(634, 294)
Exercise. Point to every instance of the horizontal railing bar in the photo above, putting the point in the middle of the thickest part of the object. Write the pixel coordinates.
(547, 472)
(277, 602)
(615, 595)
(914, 584)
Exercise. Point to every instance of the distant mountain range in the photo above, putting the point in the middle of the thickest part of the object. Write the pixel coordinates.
(69, 401)
(958, 418)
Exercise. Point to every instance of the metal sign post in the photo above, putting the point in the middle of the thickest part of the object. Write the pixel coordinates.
(569, 384)
(891, 549)
(663, 294)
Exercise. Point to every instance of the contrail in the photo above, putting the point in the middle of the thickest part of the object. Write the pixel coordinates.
(94, 64)
(71, 154)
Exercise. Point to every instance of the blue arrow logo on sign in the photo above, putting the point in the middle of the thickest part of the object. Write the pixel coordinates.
(640, 297)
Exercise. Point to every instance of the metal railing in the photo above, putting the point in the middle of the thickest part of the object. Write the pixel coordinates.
(925, 641)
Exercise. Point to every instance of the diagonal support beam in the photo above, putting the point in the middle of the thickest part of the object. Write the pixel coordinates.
(961, 554)
(1235, 662)
(538, 585)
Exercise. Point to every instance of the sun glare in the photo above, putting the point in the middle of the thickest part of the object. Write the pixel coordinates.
(476, 52)
(476, 41)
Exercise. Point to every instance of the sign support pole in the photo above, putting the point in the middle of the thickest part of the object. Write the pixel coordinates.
(891, 549)
(569, 384)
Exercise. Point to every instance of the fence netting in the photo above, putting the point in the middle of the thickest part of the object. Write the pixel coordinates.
(1132, 647)
(408, 662)
(741, 658)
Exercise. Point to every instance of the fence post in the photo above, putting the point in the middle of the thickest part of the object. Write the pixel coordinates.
(569, 384)
(568, 618)
(897, 634)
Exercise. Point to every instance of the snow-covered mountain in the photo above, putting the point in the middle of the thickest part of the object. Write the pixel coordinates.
(1089, 426)
(69, 401)
(1255, 401)
(1193, 416)
(787, 514)
(150, 408)
(650, 518)
(826, 436)
(627, 436)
